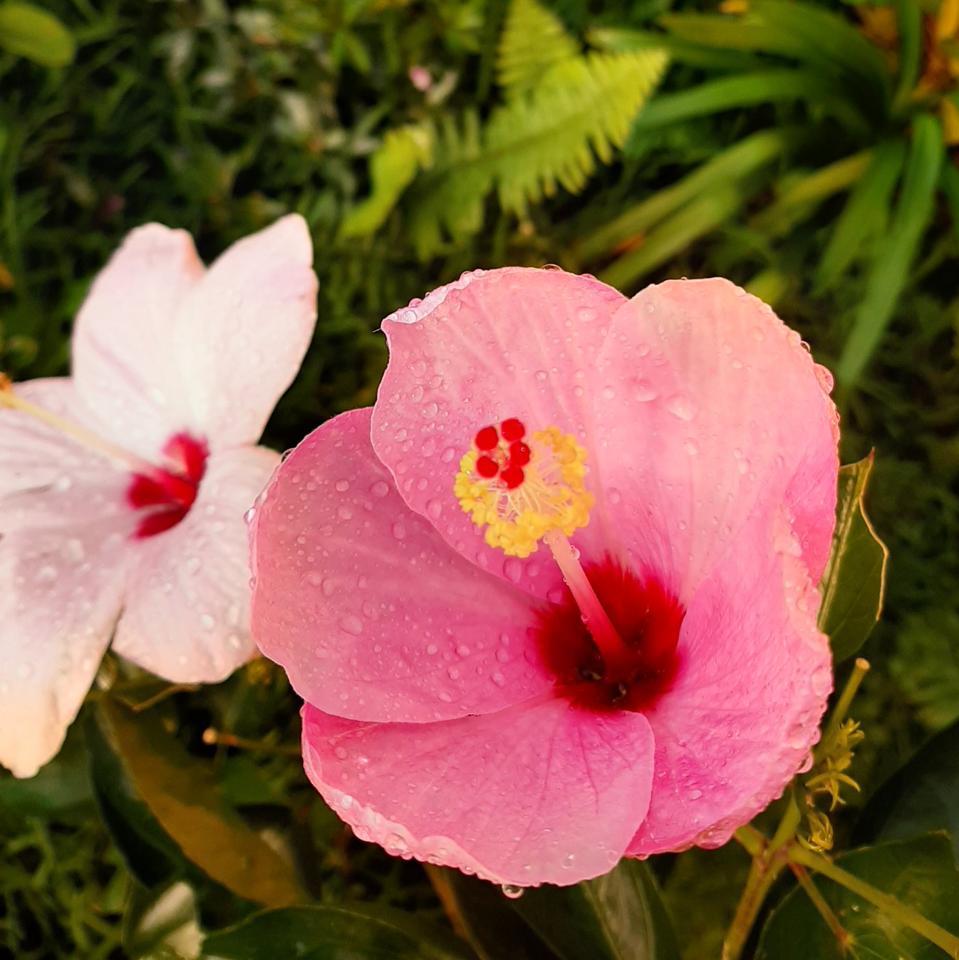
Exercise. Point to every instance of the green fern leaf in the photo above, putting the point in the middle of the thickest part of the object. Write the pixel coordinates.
(579, 114)
(533, 40)
(402, 154)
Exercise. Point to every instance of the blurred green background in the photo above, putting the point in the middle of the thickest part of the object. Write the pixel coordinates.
(805, 151)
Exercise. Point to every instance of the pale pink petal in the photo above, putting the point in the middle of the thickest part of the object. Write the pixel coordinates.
(244, 330)
(371, 613)
(508, 343)
(125, 338)
(63, 530)
(543, 792)
(744, 711)
(710, 411)
(186, 616)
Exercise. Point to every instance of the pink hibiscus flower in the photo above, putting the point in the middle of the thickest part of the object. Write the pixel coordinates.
(552, 600)
(123, 487)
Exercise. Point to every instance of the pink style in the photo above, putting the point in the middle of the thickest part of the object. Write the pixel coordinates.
(123, 487)
(552, 600)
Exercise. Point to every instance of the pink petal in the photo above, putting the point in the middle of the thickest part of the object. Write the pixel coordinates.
(186, 616)
(125, 340)
(373, 616)
(543, 792)
(744, 711)
(245, 329)
(63, 528)
(711, 411)
(508, 343)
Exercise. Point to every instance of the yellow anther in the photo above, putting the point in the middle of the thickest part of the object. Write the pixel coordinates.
(551, 496)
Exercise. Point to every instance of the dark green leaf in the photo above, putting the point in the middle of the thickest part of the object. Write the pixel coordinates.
(186, 801)
(333, 933)
(33, 33)
(890, 269)
(854, 582)
(919, 873)
(484, 916)
(920, 797)
(619, 916)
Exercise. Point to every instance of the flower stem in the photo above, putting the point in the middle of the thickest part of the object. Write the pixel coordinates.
(859, 670)
(616, 655)
(819, 902)
(86, 438)
(763, 873)
(891, 907)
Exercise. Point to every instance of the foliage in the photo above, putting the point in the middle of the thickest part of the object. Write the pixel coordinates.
(800, 149)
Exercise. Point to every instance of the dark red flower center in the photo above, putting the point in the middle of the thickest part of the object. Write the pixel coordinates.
(168, 493)
(648, 619)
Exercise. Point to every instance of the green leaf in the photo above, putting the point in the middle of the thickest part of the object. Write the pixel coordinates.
(710, 210)
(742, 159)
(393, 166)
(890, 269)
(854, 583)
(922, 796)
(33, 33)
(865, 210)
(919, 873)
(359, 932)
(950, 187)
(619, 916)
(625, 40)
(182, 795)
(742, 90)
(798, 31)
(533, 40)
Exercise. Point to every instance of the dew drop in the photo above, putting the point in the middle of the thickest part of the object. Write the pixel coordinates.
(608, 393)
(380, 489)
(342, 486)
(513, 569)
(644, 391)
(681, 407)
(352, 624)
(399, 530)
(512, 891)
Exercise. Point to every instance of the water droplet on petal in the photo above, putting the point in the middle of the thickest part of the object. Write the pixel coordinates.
(681, 407)
(512, 891)
(352, 624)
(380, 489)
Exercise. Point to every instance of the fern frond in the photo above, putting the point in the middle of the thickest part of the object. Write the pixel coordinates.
(581, 112)
(533, 40)
(449, 196)
(402, 154)
(578, 114)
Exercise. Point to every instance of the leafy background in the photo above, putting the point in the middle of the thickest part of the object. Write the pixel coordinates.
(810, 159)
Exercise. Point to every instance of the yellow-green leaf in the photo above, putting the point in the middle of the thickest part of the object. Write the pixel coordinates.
(33, 33)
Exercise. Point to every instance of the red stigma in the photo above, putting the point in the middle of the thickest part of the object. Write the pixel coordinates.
(512, 430)
(519, 454)
(487, 467)
(171, 492)
(512, 476)
(486, 439)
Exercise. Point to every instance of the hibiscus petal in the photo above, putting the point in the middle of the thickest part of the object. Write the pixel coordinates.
(544, 792)
(245, 329)
(371, 613)
(125, 340)
(63, 525)
(711, 411)
(186, 616)
(744, 710)
(508, 343)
